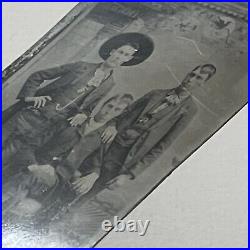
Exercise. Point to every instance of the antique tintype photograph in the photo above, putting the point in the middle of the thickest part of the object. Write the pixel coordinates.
(108, 104)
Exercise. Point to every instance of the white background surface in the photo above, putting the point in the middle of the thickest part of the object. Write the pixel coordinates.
(204, 202)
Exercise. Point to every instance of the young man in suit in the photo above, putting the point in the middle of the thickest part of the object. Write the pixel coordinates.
(156, 119)
(30, 186)
(70, 98)
(80, 143)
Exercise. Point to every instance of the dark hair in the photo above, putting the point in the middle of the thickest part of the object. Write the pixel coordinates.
(118, 96)
(134, 45)
(209, 69)
(127, 96)
(113, 98)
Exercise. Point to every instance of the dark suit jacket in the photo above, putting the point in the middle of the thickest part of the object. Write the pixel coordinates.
(65, 78)
(171, 123)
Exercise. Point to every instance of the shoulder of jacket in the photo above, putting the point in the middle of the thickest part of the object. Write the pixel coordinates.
(155, 91)
(83, 64)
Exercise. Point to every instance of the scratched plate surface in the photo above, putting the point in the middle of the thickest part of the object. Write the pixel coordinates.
(185, 35)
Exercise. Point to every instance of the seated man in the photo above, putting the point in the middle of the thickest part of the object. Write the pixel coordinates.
(73, 139)
(74, 92)
(153, 122)
(39, 179)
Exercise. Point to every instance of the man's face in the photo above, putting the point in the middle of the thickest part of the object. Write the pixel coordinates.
(121, 55)
(111, 109)
(196, 78)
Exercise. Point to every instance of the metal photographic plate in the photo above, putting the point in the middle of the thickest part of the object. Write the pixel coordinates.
(106, 105)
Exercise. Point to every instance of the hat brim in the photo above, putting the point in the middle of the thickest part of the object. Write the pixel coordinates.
(145, 47)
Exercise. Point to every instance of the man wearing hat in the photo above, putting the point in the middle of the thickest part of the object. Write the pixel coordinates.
(70, 98)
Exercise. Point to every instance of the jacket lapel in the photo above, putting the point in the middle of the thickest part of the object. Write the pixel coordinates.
(82, 75)
(99, 92)
(155, 100)
(150, 138)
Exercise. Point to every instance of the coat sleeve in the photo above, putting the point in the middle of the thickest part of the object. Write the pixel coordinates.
(165, 142)
(35, 80)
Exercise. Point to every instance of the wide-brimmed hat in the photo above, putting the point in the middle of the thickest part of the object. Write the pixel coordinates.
(141, 42)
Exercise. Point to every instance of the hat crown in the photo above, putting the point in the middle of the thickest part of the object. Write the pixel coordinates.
(142, 43)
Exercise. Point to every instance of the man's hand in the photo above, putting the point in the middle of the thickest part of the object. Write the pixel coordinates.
(39, 101)
(109, 134)
(85, 183)
(78, 119)
(44, 173)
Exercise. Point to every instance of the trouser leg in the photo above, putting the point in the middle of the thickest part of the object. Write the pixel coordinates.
(113, 161)
(84, 148)
(32, 130)
(60, 145)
